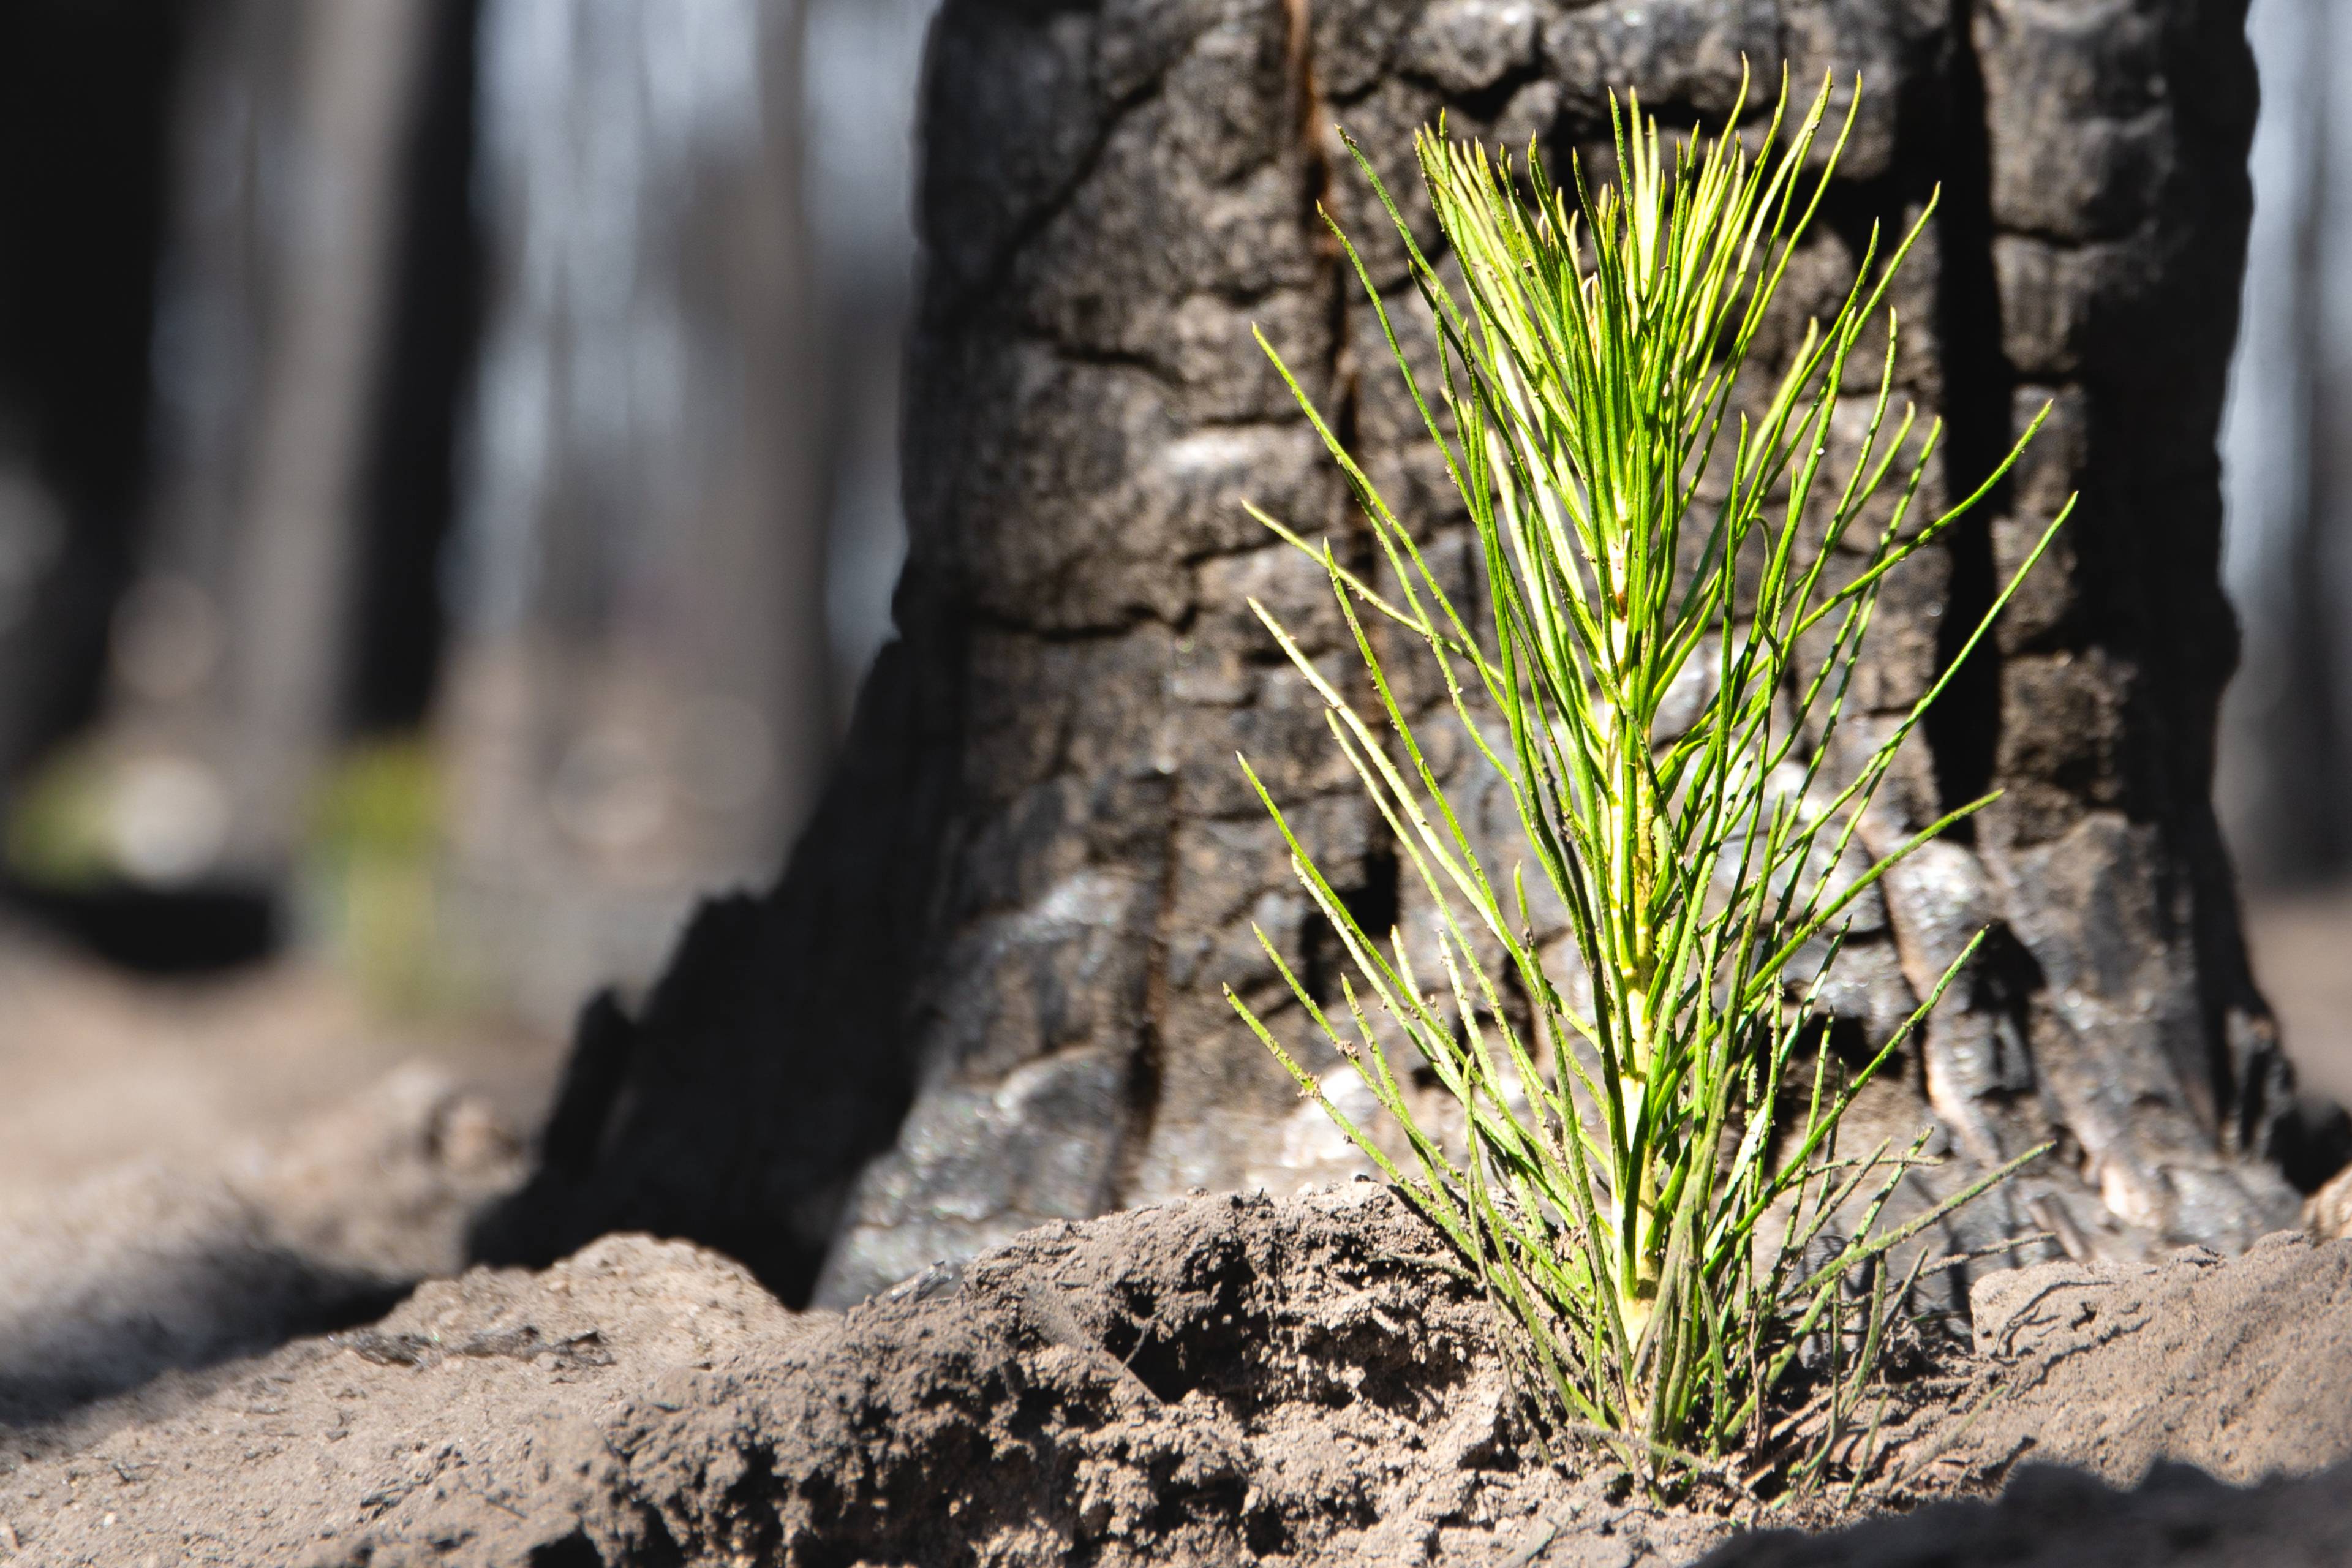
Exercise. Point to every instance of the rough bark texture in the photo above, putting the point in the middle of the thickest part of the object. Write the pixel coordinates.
(1020, 899)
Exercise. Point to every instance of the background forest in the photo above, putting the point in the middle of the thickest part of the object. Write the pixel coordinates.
(450, 469)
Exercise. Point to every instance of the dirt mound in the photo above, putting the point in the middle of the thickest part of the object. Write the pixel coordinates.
(1223, 1380)
(2172, 1379)
(1218, 1381)
(2243, 1368)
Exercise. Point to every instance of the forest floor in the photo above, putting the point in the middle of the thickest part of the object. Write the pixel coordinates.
(104, 1069)
(213, 1192)
(1219, 1380)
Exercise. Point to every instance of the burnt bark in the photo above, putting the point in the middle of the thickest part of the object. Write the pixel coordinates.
(1014, 915)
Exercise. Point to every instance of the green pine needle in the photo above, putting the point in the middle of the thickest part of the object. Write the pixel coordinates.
(1645, 1185)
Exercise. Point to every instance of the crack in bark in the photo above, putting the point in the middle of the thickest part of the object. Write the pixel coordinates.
(1963, 730)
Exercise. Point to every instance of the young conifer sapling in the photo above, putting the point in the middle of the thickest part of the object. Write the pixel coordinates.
(1640, 1163)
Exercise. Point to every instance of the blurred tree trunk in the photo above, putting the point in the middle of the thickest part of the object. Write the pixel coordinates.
(230, 659)
(2284, 794)
(85, 92)
(1038, 862)
(638, 679)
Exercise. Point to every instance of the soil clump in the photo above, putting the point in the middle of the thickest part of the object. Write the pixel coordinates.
(1220, 1380)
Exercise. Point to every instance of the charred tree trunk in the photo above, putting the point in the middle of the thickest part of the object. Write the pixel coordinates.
(1011, 918)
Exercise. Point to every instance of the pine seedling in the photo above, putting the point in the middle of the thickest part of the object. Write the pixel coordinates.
(1639, 1162)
